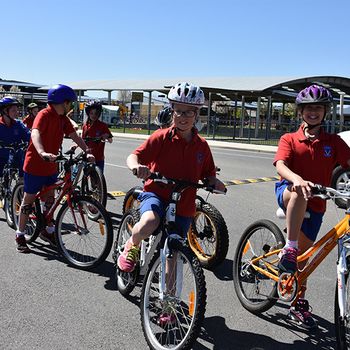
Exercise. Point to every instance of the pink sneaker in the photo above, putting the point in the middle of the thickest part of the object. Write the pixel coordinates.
(129, 258)
(166, 319)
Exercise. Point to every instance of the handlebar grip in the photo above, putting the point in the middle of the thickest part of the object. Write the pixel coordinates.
(318, 189)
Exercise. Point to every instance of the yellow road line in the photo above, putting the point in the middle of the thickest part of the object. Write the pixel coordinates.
(227, 183)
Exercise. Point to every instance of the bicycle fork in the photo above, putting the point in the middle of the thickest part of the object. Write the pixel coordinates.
(342, 271)
(167, 256)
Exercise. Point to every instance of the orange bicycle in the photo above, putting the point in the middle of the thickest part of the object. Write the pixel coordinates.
(83, 227)
(258, 283)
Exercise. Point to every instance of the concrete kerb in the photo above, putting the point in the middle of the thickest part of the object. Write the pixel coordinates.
(214, 143)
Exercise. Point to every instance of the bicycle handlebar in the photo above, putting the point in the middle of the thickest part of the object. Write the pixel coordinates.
(182, 184)
(96, 139)
(328, 192)
(14, 145)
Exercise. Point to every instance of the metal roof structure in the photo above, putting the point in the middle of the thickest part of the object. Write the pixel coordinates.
(282, 89)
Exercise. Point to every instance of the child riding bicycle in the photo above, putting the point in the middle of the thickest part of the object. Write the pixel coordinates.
(50, 125)
(33, 110)
(11, 130)
(304, 158)
(177, 152)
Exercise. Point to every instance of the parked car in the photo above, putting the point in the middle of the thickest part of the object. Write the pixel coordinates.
(340, 175)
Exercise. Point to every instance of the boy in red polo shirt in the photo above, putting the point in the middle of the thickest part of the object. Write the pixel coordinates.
(305, 158)
(50, 125)
(93, 127)
(177, 152)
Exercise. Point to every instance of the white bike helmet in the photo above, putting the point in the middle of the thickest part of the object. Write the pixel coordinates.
(186, 93)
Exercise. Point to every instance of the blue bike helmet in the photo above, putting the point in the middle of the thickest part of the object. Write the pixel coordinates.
(8, 101)
(60, 93)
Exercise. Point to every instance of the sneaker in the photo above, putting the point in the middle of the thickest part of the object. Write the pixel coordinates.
(22, 244)
(301, 314)
(288, 260)
(129, 258)
(166, 319)
(48, 237)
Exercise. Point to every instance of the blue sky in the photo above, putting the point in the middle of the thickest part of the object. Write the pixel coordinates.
(49, 42)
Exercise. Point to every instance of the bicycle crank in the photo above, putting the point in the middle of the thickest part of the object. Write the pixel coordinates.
(287, 287)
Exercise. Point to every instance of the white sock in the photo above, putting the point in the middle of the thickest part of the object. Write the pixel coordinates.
(19, 233)
(50, 229)
(291, 244)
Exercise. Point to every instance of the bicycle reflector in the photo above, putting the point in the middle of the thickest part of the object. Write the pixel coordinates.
(191, 303)
(246, 247)
(102, 227)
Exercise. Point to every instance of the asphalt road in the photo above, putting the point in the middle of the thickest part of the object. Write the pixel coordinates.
(44, 304)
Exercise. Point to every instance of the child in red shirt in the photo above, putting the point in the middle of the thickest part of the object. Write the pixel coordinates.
(177, 152)
(305, 158)
(33, 110)
(94, 128)
(49, 127)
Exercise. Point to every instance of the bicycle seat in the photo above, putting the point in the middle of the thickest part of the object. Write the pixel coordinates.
(282, 215)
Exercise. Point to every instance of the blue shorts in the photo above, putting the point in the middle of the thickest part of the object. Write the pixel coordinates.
(151, 202)
(34, 183)
(310, 226)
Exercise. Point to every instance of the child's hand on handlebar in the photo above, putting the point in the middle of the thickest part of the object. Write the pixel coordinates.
(303, 188)
(90, 158)
(142, 172)
(49, 157)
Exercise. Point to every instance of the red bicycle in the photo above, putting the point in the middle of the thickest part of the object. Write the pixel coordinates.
(83, 228)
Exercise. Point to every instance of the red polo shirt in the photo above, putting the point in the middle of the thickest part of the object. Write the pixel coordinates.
(166, 152)
(52, 127)
(313, 160)
(96, 129)
(28, 121)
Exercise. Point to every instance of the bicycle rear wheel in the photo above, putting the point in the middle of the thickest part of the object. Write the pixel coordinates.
(208, 236)
(255, 291)
(84, 242)
(342, 327)
(125, 281)
(185, 306)
(94, 184)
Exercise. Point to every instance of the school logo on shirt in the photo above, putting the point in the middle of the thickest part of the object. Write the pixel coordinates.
(200, 157)
(327, 151)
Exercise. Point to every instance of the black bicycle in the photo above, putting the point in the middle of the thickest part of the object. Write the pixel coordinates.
(173, 297)
(11, 176)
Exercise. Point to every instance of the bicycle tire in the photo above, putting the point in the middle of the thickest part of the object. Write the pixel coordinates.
(208, 236)
(256, 292)
(94, 174)
(190, 311)
(125, 281)
(75, 243)
(129, 201)
(342, 327)
(35, 220)
(340, 176)
(7, 201)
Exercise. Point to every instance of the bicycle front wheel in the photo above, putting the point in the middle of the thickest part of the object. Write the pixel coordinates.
(94, 184)
(125, 281)
(84, 242)
(208, 236)
(172, 319)
(129, 201)
(255, 291)
(342, 326)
